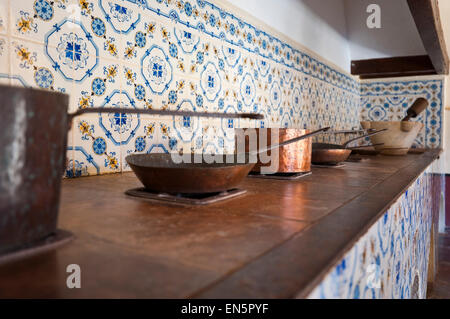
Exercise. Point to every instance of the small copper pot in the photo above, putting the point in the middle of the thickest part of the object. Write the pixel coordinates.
(293, 158)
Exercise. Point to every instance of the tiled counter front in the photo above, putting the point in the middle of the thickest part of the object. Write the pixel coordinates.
(187, 55)
(391, 259)
(388, 100)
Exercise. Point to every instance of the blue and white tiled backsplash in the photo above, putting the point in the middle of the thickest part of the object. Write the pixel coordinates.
(389, 100)
(182, 55)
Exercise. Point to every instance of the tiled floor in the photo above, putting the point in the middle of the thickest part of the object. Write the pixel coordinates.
(441, 288)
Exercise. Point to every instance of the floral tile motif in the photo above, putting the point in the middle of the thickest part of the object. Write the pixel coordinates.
(150, 30)
(74, 55)
(140, 94)
(93, 19)
(31, 20)
(101, 87)
(31, 67)
(187, 130)
(121, 15)
(388, 101)
(210, 82)
(157, 71)
(97, 144)
(138, 143)
(390, 260)
(153, 135)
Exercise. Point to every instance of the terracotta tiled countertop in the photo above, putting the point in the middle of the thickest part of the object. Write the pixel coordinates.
(277, 241)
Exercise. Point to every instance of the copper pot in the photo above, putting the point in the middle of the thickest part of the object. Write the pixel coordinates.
(293, 158)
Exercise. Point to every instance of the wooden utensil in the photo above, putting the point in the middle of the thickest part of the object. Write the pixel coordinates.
(416, 108)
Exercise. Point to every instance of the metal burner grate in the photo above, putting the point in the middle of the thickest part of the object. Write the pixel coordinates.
(280, 176)
(186, 199)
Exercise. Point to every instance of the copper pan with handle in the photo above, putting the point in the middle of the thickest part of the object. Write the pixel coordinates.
(333, 154)
(198, 174)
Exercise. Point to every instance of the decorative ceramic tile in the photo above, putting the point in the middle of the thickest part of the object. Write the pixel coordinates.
(139, 141)
(4, 16)
(122, 16)
(190, 55)
(154, 135)
(99, 24)
(31, 20)
(74, 55)
(102, 86)
(4, 60)
(131, 81)
(187, 132)
(389, 100)
(31, 67)
(97, 143)
(391, 259)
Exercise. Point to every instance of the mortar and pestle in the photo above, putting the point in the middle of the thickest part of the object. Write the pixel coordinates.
(400, 135)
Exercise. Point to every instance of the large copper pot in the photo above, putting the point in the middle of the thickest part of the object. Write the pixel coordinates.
(293, 158)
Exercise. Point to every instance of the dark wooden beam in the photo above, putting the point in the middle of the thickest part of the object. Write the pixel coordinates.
(393, 67)
(428, 22)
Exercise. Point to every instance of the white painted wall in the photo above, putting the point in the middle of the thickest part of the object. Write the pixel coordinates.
(319, 25)
(336, 29)
(398, 35)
